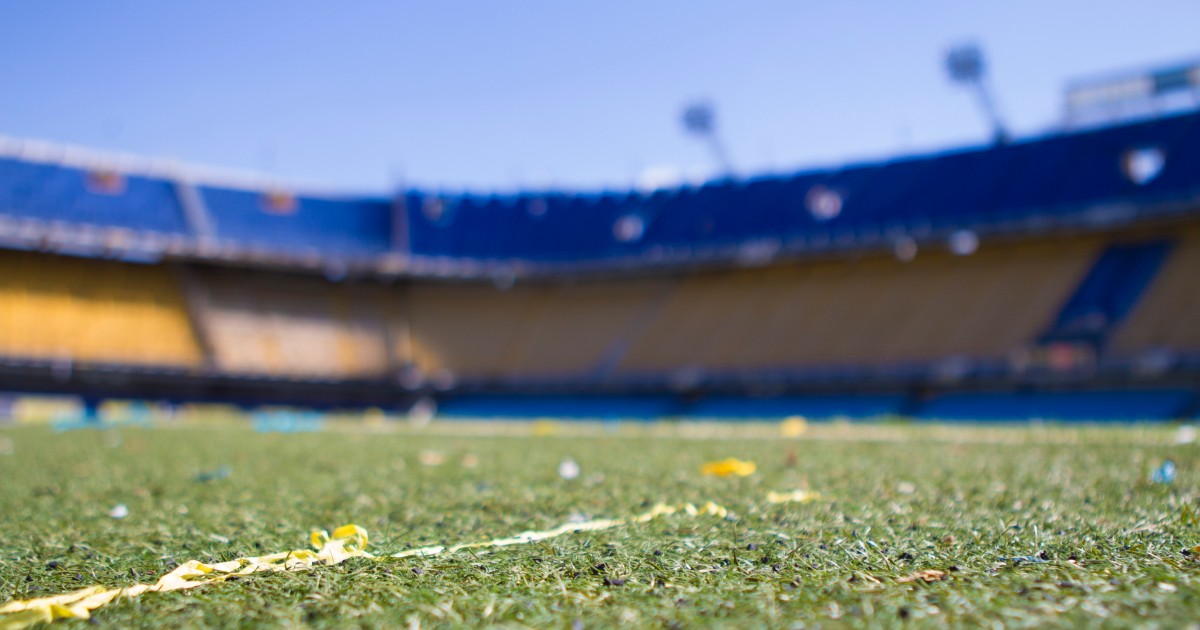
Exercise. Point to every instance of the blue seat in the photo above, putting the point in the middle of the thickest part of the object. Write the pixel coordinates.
(334, 226)
(967, 186)
(892, 193)
(1053, 175)
(1057, 174)
(57, 193)
(1180, 142)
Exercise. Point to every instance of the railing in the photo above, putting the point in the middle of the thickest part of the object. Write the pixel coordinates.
(25, 233)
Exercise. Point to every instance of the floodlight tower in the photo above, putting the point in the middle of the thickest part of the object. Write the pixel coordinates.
(700, 120)
(966, 66)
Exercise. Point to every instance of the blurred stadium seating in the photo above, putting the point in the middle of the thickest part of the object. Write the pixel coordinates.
(291, 325)
(529, 331)
(92, 311)
(1061, 267)
(275, 220)
(859, 312)
(80, 197)
(1111, 288)
(1166, 317)
(1079, 176)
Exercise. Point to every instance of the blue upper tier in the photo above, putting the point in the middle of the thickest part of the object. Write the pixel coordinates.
(57, 193)
(1070, 176)
(297, 224)
(1060, 175)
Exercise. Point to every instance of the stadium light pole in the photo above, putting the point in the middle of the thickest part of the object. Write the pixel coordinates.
(700, 120)
(966, 66)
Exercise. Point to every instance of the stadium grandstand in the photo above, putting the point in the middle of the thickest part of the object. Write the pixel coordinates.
(1053, 276)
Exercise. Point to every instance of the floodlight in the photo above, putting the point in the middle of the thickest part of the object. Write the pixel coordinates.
(965, 63)
(966, 66)
(700, 119)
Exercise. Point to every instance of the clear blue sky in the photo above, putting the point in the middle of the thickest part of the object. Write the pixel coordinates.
(494, 95)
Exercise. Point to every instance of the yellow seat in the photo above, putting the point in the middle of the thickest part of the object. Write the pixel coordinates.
(92, 311)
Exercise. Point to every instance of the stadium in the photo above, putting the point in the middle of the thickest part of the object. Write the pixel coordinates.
(890, 390)
(1049, 277)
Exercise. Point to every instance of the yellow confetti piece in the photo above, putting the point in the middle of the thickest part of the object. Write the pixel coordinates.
(793, 427)
(348, 541)
(730, 466)
(545, 427)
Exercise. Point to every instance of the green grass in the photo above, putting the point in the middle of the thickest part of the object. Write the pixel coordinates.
(1112, 549)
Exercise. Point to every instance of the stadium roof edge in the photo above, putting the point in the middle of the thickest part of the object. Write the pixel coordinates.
(74, 156)
(811, 168)
(130, 164)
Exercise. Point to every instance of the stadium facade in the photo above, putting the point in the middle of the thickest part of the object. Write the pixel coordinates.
(1056, 276)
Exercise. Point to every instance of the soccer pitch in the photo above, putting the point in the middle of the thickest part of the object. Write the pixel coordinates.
(1020, 526)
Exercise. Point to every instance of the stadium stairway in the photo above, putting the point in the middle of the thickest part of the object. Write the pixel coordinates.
(1166, 316)
(195, 211)
(1108, 292)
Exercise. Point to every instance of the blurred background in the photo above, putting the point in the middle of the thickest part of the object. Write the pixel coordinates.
(617, 210)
